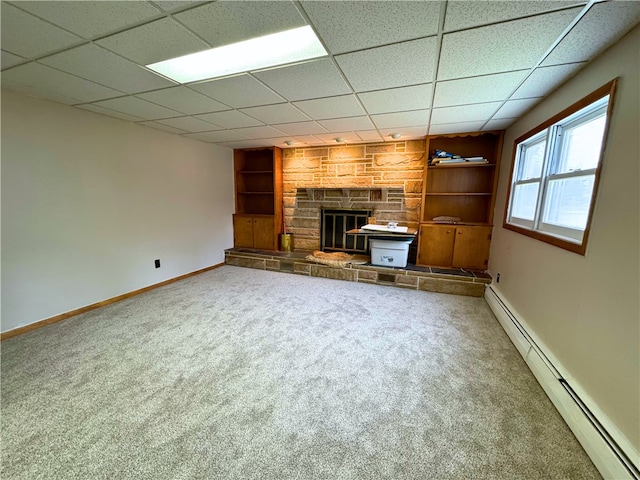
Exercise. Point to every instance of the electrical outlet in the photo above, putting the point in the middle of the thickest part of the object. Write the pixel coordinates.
(498, 278)
(157, 262)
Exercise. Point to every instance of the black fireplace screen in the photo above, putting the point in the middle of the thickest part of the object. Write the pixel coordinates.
(335, 224)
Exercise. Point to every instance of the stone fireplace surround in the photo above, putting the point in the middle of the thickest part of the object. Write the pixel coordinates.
(385, 178)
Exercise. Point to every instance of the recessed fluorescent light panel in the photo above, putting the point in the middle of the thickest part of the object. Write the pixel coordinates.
(262, 52)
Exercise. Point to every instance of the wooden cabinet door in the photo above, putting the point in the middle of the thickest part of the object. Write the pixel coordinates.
(264, 233)
(435, 246)
(472, 246)
(243, 231)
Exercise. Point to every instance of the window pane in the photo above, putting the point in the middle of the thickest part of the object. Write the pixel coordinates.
(581, 145)
(567, 201)
(524, 200)
(531, 159)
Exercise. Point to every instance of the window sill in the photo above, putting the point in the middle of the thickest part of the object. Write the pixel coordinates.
(578, 248)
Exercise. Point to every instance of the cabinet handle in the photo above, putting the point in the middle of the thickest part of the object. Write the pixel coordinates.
(448, 231)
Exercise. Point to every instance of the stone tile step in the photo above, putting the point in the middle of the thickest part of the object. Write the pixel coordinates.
(453, 281)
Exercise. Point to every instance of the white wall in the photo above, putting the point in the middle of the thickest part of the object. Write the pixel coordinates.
(585, 309)
(88, 203)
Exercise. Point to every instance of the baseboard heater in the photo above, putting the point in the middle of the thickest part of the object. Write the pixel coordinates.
(606, 453)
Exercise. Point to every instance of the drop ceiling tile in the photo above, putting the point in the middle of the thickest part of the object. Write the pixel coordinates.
(266, 142)
(183, 99)
(370, 135)
(230, 119)
(167, 5)
(347, 137)
(101, 66)
(487, 88)
(397, 99)
(9, 59)
(501, 124)
(308, 139)
(239, 91)
(603, 24)
(301, 128)
(515, 108)
(280, 113)
(28, 36)
(347, 124)
(349, 26)
(406, 133)
(461, 127)
(110, 113)
(313, 79)
(465, 14)
(259, 132)
(509, 46)
(218, 136)
(417, 118)
(223, 23)
(279, 141)
(138, 107)
(331, 107)
(189, 124)
(398, 65)
(471, 113)
(164, 128)
(49, 80)
(545, 79)
(154, 42)
(90, 19)
(262, 142)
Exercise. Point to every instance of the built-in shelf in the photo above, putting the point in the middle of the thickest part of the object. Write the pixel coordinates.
(459, 190)
(476, 224)
(458, 193)
(462, 165)
(258, 186)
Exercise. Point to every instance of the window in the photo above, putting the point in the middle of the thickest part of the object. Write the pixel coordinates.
(555, 172)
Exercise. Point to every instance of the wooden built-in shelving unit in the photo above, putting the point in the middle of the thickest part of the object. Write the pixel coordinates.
(460, 190)
(258, 193)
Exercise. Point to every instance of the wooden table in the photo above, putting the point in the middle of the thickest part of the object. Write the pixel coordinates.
(410, 233)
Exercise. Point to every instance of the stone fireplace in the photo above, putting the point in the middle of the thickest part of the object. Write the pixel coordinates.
(382, 178)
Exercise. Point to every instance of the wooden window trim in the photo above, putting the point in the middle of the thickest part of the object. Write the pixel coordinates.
(580, 248)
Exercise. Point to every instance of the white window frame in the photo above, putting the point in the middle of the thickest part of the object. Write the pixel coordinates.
(551, 132)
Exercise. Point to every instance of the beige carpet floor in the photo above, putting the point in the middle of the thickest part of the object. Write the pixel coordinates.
(246, 374)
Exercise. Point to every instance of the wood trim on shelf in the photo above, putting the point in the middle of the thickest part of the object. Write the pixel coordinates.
(93, 306)
(455, 224)
(461, 165)
(450, 194)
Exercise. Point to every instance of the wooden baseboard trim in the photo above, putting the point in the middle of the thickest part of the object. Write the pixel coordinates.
(93, 306)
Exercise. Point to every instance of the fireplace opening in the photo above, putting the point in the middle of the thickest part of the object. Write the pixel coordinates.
(334, 225)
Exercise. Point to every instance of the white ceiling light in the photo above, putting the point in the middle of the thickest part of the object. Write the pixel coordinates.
(261, 52)
(395, 136)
